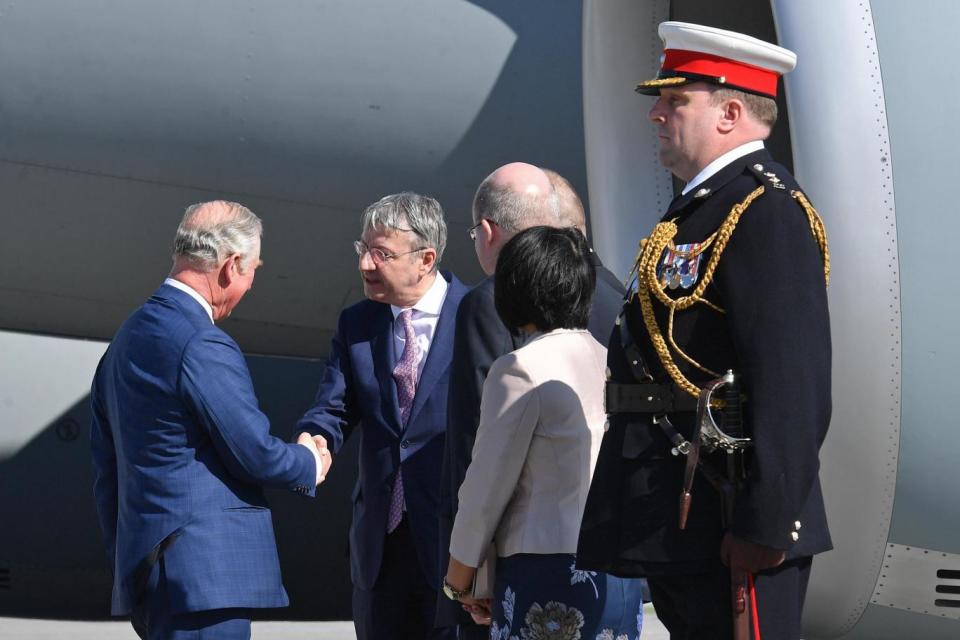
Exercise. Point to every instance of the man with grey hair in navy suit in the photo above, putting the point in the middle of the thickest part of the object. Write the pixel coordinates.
(182, 452)
(387, 374)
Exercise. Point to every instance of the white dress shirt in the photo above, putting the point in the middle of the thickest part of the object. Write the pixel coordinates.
(721, 162)
(426, 314)
(190, 291)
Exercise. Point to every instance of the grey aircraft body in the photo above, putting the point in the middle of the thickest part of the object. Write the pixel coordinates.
(116, 115)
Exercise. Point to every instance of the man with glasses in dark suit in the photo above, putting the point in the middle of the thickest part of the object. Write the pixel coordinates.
(387, 374)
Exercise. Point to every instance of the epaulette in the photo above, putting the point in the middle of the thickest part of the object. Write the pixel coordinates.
(767, 177)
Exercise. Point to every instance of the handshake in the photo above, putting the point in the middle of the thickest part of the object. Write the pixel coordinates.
(321, 455)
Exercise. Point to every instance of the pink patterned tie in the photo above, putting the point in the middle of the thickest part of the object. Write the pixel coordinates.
(405, 374)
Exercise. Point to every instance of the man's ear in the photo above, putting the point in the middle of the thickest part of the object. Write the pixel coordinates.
(428, 258)
(731, 112)
(490, 229)
(229, 269)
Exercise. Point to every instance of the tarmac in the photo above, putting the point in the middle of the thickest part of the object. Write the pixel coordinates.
(31, 629)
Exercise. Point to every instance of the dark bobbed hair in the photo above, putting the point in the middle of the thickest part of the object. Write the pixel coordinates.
(545, 276)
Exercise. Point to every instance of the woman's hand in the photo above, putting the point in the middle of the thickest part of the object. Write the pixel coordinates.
(459, 575)
(479, 610)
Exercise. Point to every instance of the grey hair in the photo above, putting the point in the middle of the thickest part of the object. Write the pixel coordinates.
(212, 231)
(513, 211)
(570, 212)
(410, 211)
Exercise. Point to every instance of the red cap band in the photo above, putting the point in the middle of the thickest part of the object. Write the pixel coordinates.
(737, 74)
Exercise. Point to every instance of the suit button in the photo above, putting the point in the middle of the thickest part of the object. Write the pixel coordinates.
(404, 444)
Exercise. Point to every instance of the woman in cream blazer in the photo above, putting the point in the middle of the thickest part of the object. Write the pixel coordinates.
(541, 423)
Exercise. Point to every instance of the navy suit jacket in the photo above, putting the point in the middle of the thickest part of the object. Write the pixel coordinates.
(180, 452)
(358, 388)
(482, 338)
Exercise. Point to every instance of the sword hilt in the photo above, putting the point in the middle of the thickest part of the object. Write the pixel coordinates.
(711, 435)
(732, 410)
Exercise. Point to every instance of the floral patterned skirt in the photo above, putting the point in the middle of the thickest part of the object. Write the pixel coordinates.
(545, 597)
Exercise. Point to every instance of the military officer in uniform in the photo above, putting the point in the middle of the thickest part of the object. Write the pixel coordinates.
(732, 278)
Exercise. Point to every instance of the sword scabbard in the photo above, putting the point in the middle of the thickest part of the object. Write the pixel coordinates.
(685, 499)
(740, 606)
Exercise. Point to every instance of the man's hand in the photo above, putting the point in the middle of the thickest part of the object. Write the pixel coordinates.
(321, 455)
(479, 610)
(325, 454)
(743, 555)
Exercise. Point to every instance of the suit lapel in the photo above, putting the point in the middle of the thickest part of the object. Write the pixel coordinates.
(384, 360)
(441, 349)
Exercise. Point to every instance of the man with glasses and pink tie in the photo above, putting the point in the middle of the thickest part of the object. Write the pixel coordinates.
(387, 373)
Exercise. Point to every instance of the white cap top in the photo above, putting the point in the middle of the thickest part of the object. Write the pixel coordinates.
(727, 44)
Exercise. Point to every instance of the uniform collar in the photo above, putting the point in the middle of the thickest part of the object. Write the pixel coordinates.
(721, 162)
(721, 177)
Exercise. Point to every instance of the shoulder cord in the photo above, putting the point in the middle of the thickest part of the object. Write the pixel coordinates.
(661, 238)
(818, 230)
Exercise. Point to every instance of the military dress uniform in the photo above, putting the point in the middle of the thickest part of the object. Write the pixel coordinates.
(766, 319)
(732, 278)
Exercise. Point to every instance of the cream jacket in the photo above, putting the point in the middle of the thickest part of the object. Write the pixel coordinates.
(541, 423)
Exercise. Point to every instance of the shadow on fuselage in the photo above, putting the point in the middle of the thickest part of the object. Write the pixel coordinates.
(52, 562)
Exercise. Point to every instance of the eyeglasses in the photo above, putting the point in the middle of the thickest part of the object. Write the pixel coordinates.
(379, 256)
(472, 231)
